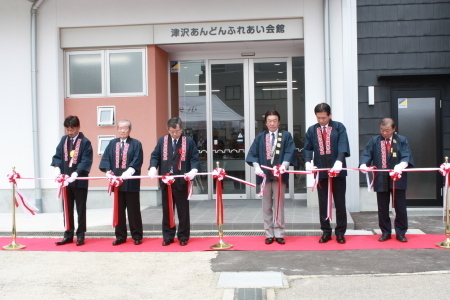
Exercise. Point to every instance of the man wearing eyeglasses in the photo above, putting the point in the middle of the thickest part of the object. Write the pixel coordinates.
(273, 148)
(175, 154)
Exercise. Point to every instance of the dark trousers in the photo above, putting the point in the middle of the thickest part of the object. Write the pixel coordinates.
(401, 217)
(181, 203)
(76, 196)
(339, 185)
(130, 202)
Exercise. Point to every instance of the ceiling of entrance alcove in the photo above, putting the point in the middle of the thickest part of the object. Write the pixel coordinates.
(236, 46)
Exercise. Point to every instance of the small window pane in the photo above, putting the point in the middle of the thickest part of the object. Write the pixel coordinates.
(126, 72)
(85, 73)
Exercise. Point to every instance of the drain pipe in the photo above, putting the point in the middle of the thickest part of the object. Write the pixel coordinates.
(326, 27)
(37, 170)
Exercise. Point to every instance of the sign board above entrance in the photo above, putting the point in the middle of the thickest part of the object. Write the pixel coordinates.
(281, 29)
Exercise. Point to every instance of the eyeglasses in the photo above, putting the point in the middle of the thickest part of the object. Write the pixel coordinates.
(272, 121)
(175, 131)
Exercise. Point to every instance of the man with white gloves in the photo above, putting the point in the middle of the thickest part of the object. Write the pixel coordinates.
(124, 157)
(326, 144)
(175, 154)
(273, 148)
(389, 151)
(73, 157)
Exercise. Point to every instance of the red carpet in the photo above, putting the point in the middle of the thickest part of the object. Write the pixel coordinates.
(243, 243)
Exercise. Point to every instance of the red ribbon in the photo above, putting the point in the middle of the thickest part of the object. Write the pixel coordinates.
(219, 174)
(19, 198)
(168, 180)
(395, 176)
(62, 193)
(180, 152)
(277, 172)
(114, 183)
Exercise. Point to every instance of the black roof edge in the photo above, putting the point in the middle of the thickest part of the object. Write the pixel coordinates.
(412, 76)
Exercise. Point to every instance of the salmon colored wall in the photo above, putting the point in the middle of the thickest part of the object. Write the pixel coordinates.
(148, 114)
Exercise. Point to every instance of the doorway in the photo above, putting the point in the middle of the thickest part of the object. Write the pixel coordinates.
(419, 120)
(223, 103)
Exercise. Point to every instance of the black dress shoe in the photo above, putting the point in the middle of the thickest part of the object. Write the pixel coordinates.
(64, 241)
(80, 241)
(384, 237)
(340, 239)
(167, 242)
(269, 241)
(401, 238)
(137, 241)
(118, 242)
(325, 238)
(280, 241)
(183, 243)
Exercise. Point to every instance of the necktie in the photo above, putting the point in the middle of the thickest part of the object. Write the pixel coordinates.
(324, 134)
(388, 147)
(273, 139)
(121, 153)
(70, 145)
(174, 146)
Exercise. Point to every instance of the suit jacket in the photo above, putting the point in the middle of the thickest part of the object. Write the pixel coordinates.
(339, 147)
(135, 158)
(191, 161)
(257, 153)
(401, 151)
(84, 159)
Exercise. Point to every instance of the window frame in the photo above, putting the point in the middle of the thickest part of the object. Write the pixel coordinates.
(102, 138)
(101, 109)
(105, 72)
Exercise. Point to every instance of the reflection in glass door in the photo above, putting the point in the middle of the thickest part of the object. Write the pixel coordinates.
(228, 125)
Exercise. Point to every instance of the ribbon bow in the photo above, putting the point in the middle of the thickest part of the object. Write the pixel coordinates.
(63, 181)
(169, 180)
(12, 177)
(19, 198)
(219, 174)
(444, 169)
(114, 181)
(395, 175)
(278, 171)
(332, 173)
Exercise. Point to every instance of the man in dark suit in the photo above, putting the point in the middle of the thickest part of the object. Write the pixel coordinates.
(73, 157)
(389, 151)
(327, 142)
(273, 148)
(124, 157)
(175, 154)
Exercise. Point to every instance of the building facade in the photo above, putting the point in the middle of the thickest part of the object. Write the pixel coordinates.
(217, 65)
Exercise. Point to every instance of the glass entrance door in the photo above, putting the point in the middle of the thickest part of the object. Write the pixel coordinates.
(241, 92)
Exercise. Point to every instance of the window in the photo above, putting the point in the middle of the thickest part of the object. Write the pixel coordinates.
(106, 73)
(106, 115)
(103, 141)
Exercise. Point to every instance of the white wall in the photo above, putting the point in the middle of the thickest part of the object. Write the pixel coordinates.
(55, 14)
(15, 91)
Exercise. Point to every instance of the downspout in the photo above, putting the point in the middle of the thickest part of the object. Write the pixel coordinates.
(326, 27)
(37, 170)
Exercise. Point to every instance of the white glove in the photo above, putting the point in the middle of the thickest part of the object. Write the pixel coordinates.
(128, 173)
(191, 174)
(152, 172)
(73, 177)
(259, 171)
(337, 167)
(57, 171)
(109, 175)
(282, 169)
(399, 167)
(364, 167)
(309, 166)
